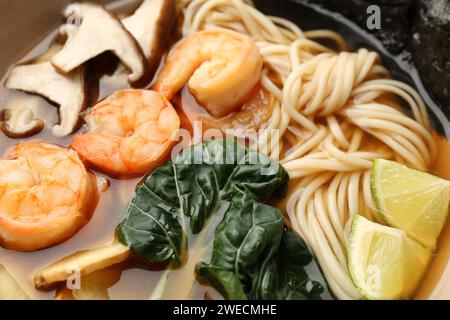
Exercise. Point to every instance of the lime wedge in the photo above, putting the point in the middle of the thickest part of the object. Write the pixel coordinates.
(411, 200)
(384, 263)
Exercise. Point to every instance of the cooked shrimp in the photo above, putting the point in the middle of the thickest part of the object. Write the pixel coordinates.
(129, 133)
(46, 195)
(221, 66)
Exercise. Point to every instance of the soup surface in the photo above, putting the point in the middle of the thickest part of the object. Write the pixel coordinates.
(135, 280)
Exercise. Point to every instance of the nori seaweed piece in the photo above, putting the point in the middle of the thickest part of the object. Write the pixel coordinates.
(394, 18)
(305, 14)
(430, 47)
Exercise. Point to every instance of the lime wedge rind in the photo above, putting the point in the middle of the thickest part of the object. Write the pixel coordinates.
(377, 200)
(387, 255)
(413, 201)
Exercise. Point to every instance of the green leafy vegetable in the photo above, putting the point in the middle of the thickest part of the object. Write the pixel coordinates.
(256, 257)
(193, 188)
(218, 186)
(293, 274)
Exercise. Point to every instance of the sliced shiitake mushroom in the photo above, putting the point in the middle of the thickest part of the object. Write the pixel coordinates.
(69, 91)
(19, 121)
(151, 25)
(99, 31)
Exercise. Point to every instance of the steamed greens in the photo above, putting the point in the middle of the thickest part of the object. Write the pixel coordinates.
(256, 257)
(218, 186)
(191, 189)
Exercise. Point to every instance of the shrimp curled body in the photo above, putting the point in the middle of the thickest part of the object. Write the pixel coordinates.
(129, 133)
(220, 66)
(46, 195)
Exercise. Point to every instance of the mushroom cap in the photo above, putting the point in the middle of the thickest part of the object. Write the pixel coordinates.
(151, 26)
(19, 121)
(39, 77)
(99, 31)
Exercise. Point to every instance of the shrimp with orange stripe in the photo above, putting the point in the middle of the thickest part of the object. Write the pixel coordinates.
(46, 195)
(221, 68)
(129, 133)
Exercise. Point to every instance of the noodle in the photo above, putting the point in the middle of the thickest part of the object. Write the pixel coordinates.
(335, 113)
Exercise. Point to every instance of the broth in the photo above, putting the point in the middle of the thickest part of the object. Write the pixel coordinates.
(436, 284)
(136, 281)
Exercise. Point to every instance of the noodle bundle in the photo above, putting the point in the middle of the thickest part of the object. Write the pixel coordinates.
(336, 111)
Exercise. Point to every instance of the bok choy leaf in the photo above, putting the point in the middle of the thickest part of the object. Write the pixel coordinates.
(181, 195)
(256, 257)
(209, 201)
